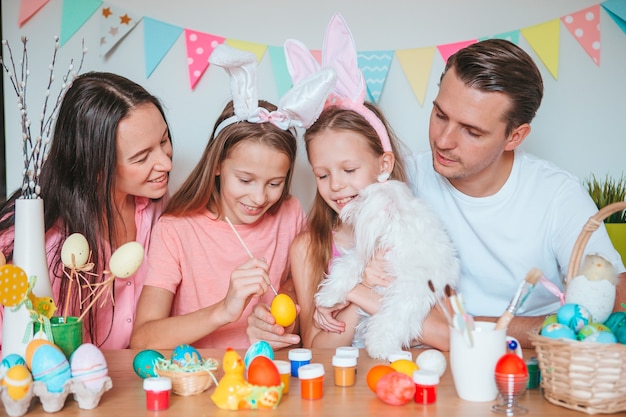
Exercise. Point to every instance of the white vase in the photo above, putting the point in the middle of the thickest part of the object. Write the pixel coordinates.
(29, 253)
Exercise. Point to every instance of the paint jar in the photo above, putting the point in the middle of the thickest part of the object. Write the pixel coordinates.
(157, 393)
(284, 369)
(311, 381)
(425, 386)
(347, 351)
(400, 354)
(534, 375)
(345, 370)
(298, 358)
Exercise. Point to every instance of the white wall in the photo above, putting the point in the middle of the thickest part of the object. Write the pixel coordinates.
(579, 125)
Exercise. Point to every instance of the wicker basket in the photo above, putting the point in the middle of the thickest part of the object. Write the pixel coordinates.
(188, 383)
(583, 376)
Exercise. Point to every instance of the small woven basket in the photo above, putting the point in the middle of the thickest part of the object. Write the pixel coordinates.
(583, 376)
(188, 383)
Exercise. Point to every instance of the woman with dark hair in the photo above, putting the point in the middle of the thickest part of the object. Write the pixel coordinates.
(106, 177)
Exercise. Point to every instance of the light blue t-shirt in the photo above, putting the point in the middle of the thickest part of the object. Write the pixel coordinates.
(533, 221)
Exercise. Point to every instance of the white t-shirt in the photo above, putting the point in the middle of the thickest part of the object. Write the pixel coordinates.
(533, 221)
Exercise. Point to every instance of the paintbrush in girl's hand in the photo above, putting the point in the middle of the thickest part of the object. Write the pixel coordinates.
(524, 289)
(245, 247)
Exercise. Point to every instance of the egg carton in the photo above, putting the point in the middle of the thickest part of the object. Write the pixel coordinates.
(52, 401)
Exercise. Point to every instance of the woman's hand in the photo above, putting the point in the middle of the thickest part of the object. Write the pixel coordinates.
(324, 318)
(262, 326)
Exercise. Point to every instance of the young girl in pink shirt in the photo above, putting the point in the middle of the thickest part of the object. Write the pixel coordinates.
(202, 282)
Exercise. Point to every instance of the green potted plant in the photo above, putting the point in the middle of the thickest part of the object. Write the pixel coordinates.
(605, 192)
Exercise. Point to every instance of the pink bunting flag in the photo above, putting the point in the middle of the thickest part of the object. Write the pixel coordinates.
(199, 48)
(584, 25)
(450, 48)
(28, 8)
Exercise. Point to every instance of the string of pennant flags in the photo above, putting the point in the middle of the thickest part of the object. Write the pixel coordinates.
(416, 63)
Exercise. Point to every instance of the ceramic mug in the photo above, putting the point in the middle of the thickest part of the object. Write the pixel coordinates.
(473, 366)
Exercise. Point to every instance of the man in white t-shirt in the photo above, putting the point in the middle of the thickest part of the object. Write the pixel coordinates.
(506, 211)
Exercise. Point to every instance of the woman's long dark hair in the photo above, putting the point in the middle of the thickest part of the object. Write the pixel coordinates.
(79, 174)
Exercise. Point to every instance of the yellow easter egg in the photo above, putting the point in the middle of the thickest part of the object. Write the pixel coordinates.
(405, 366)
(13, 285)
(126, 260)
(76, 244)
(283, 309)
(17, 381)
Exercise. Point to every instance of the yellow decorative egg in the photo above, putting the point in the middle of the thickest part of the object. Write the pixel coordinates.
(17, 381)
(283, 309)
(76, 244)
(126, 260)
(405, 366)
(13, 285)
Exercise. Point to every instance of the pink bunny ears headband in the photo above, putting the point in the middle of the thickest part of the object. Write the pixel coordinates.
(299, 107)
(338, 53)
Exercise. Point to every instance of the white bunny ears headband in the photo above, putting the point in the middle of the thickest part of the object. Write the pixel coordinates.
(299, 107)
(338, 53)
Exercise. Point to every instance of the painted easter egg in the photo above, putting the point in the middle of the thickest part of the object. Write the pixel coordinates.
(601, 337)
(395, 388)
(620, 334)
(616, 320)
(186, 356)
(573, 315)
(259, 348)
(283, 309)
(126, 259)
(549, 320)
(558, 331)
(375, 373)
(9, 361)
(17, 381)
(50, 366)
(143, 362)
(33, 345)
(432, 360)
(263, 371)
(405, 366)
(511, 364)
(89, 366)
(590, 329)
(13, 285)
(75, 246)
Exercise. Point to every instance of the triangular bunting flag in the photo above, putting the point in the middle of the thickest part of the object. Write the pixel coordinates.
(375, 66)
(28, 8)
(416, 64)
(450, 48)
(544, 39)
(279, 64)
(115, 23)
(317, 54)
(584, 26)
(158, 38)
(512, 36)
(256, 48)
(74, 14)
(617, 11)
(199, 48)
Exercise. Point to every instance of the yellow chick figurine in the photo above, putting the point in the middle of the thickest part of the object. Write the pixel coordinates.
(594, 288)
(233, 387)
(45, 306)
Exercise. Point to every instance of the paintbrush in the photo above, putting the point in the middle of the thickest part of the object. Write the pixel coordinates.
(524, 289)
(245, 247)
(441, 304)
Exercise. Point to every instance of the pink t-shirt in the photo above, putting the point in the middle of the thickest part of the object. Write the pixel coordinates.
(127, 290)
(193, 257)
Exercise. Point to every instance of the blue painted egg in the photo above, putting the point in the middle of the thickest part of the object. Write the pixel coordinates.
(49, 364)
(9, 361)
(616, 320)
(143, 363)
(621, 335)
(558, 331)
(258, 348)
(88, 366)
(186, 356)
(573, 315)
(602, 337)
